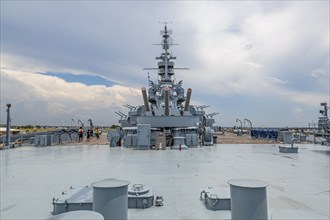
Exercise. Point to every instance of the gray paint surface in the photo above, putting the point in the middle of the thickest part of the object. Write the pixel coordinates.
(80, 198)
(78, 215)
(298, 183)
(169, 121)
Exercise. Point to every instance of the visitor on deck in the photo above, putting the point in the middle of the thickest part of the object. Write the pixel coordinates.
(81, 133)
(97, 133)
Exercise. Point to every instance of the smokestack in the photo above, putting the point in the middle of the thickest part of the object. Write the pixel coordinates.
(166, 97)
(187, 99)
(145, 100)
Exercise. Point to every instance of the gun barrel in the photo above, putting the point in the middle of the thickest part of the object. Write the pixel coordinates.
(186, 106)
(166, 97)
(145, 100)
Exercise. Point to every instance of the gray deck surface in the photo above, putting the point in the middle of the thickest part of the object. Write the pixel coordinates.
(298, 183)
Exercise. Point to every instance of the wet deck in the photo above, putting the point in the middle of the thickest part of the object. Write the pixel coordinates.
(298, 183)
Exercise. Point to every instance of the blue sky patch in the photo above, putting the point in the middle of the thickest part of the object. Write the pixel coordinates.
(88, 80)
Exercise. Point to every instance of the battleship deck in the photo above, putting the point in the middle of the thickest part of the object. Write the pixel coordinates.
(298, 183)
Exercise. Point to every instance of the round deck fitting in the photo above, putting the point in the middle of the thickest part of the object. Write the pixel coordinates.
(248, 199)
(138, 189)
(247, 183)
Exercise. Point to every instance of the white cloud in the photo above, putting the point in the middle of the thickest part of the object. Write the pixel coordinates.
(61, 99)
(317, 73)
(261, 52)
(242, 52)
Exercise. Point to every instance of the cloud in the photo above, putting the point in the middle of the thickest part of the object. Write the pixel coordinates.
(49, 99)
(246, 58)
(269, 52)
(317, 73)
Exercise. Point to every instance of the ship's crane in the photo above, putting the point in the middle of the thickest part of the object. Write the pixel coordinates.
(245, 119)
(90, 123)
(81, 123)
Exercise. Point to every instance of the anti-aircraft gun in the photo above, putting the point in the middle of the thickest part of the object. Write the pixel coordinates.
(166, 117)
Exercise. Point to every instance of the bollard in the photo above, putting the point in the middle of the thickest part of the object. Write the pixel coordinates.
(78, 215)
(110, 198)
(248, 199)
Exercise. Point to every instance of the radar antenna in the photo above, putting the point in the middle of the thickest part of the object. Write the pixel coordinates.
(165, 66)
(165, 31)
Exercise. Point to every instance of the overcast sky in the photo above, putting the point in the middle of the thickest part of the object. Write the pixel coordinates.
(64, 60)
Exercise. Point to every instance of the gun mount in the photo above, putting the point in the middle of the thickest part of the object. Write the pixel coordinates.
(166, 117)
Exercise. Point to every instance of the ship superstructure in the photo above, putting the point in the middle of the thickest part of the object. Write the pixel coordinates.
(324, 124)
(166, 117)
